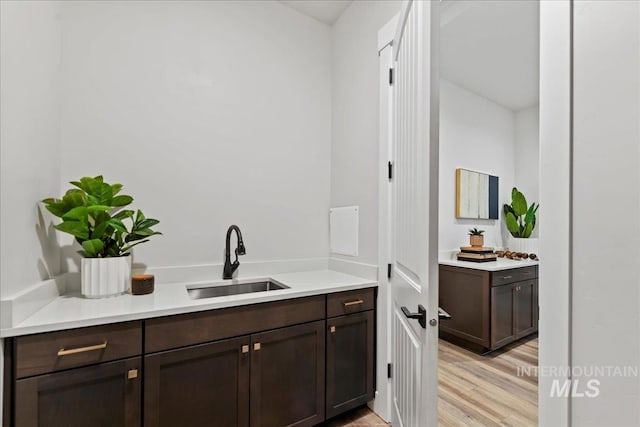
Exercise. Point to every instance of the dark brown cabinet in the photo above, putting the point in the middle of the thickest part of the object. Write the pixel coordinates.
(350, 351)
(106, 395)
(270, 364)
(488, 309)
(202, 385)
(287, 376)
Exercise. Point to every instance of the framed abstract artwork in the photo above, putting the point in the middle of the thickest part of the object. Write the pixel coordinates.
(476, 195)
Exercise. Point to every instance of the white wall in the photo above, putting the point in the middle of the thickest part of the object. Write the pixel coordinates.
(355, 98)
(606, 206)
(29, 143)
(475, 134)
(527, 156)
(210, 114)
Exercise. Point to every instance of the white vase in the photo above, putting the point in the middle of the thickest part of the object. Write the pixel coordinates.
(516, 244)
(104, 277)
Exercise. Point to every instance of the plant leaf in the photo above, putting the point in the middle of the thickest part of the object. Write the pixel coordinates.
(128, 247)
(92, 247)
(519, 204)
(122, 200)
(527, 230)
(127, 213)
(79, 213)
(117, 225)
(147, 223)
(75, 228)
(512, 224)
(115, 188)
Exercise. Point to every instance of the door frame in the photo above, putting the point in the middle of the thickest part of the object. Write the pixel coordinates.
(382, 403)
(555, 235)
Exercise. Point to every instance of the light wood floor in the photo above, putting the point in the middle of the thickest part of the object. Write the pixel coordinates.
(361, 417)
(485, 391)
(476, 390)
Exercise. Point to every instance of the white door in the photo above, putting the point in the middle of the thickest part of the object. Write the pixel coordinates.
(414, 228)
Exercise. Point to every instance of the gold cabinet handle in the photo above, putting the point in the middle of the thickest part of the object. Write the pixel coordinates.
(245, 349)
(356, 302)
(507, 277)
(332, 329)
(256, 346)
(66, 352)
(132, 374)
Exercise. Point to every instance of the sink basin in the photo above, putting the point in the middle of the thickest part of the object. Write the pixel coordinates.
(223, 290)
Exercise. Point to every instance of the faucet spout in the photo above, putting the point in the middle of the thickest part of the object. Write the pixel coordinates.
(230, 267)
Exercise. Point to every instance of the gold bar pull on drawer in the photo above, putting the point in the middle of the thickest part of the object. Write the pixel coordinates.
(132, 374)
(332, 329)
(350, 303)
(66, 352)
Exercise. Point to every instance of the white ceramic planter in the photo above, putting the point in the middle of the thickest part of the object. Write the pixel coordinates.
(530, 245)
(104, 277)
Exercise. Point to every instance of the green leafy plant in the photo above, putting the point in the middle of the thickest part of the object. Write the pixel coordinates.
(475, 232)
(94, 214)
(520, 218)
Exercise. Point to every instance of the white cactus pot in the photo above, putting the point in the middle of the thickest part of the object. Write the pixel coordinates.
(104, 277)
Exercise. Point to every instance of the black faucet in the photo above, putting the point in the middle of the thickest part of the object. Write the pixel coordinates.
(229, 268)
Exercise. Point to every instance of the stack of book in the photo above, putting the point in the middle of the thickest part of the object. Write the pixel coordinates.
(476, 254)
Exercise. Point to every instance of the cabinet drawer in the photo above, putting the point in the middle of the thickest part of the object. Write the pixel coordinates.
(55, 351)
(195, 328)
(513, 275)
(342, 303)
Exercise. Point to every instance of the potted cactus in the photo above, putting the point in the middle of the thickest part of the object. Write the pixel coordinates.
(476, 237)
(93, 213)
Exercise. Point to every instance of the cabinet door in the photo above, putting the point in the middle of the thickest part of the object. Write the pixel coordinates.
(103, 395)
(350, 351)
(287, 376)
(526, 308)
(203, 385)
(502, 315)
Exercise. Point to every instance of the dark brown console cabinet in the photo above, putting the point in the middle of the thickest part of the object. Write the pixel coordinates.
(282, 363)
(488, 309)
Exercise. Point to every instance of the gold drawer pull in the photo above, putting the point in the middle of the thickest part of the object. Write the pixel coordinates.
(132, 374)
(256, 346)
(356, 302)
(65, 352)
(507, 277)
(245, 349)
(332, 329)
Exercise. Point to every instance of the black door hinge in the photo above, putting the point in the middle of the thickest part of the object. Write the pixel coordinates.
(390, 76)
(390, 170)
(388, 271)
(389, 370)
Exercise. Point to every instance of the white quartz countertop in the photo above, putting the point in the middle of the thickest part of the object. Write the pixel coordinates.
(497, 265)
(74, 311)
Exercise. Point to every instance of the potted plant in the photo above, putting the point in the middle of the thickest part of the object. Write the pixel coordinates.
(520, 220)
(476, 238)
(94, 214)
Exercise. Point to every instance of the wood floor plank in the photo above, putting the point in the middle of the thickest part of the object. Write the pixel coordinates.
(476, 390)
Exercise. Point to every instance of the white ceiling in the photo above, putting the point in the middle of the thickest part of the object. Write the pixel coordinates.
(491, 48)
(326, 11)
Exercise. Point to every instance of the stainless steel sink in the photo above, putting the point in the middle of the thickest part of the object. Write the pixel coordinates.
(222, 290)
